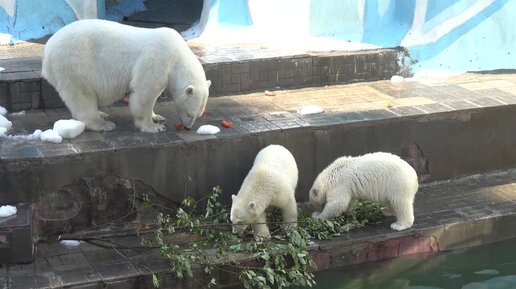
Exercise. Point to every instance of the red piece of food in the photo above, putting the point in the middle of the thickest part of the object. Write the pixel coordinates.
(227, 123)
(179, 126)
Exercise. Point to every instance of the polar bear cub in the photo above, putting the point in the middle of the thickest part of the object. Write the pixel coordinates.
(272, 182)
(94, 63)
(378, 177)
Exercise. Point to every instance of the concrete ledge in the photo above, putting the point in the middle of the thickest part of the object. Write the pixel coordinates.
(450, 215)
(231, 70)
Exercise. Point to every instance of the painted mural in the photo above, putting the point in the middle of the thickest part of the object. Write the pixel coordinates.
(457, 35)
(32, 19)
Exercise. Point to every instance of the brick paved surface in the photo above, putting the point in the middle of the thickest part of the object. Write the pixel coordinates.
(257, 112)
(231, 70)
(438, 207)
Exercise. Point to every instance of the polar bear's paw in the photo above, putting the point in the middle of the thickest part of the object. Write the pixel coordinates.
(151, 127)
(397, 226)
(103, 115)
(156, 118)
(101, 125)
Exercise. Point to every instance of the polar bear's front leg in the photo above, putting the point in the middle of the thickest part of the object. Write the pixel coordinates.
(143, 112)
(335, 207)
(260, 229)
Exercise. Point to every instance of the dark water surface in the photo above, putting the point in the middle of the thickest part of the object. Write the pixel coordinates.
(483, 267)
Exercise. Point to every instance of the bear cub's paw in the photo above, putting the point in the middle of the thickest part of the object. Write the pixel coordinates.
(399, 226)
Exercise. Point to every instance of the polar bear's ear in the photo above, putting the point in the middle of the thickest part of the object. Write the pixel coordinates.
(189, 90)
(233, 197)
(251, 206)
(208, 83)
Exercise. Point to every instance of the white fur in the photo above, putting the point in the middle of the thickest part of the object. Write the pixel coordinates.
(378, 177)
(272, 182)
(93, 63)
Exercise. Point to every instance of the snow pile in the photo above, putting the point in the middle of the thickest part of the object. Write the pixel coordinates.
(70, 243)
(63, 128)
(51, 136)
(18, 113)
(1, 69)
(310, 109)
(6, 211)
(397, 79)
(4, 122)
(208, 129)
(69, 128)
(34, 136)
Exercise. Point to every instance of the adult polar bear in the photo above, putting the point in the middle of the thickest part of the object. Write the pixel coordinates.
(272, 182)
(93, 63)
(379, 177)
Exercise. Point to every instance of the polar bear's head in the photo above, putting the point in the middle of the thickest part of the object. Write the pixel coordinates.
(242, 214)
(317, 195)
(191, 102)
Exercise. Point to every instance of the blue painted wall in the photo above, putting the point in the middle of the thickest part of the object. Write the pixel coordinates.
(459, 35)
(32, 19)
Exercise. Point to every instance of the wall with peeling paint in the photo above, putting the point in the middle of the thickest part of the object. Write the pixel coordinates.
(32, 19)
(458, 35)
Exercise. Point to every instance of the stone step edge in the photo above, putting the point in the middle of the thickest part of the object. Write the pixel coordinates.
(26, 89)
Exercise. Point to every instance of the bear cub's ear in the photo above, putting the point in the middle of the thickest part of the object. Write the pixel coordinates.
(189, 90)
(233, 197)
(251, 206)
(208, 83)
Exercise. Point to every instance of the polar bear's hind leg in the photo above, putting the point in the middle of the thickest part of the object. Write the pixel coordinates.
(289, 213)
(404, 213)
(84, 108)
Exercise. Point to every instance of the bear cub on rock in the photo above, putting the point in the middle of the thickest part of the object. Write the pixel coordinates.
(271, 182)
(378, 177)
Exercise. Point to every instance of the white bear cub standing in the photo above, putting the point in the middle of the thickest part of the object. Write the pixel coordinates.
(272, 182)
(94, 63)
(378, 177)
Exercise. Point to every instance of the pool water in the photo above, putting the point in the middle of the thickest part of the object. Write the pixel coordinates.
(483, 267)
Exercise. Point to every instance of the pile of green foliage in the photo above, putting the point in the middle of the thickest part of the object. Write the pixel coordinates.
(279, 262)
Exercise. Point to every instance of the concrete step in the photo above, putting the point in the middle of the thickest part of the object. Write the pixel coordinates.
(16, 243)
(444, 128)
(449, 215)
(232, 70)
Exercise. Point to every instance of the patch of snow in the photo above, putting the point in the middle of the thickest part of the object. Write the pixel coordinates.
(18, 113)
(51, 136)
(70, 243)
(69, 128)
(7, 210)
(488, 272)
(34, 136)
(1, 69)
(4, 122)
(3, 111)
(208, 129)
(397, 79)
(437, 73)
(310, 109)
